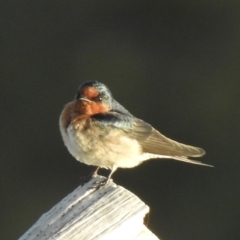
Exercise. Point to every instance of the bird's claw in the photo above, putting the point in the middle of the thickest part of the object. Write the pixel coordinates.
(87, 178)
(99, 184)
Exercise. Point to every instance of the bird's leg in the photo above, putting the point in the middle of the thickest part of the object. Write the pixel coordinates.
(87, 178)
(94, 173)
(110, 174)
(97, 185)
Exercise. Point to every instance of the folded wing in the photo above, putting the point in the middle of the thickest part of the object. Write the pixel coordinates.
(156, 143)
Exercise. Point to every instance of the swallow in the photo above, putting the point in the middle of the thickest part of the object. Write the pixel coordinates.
(99, 131)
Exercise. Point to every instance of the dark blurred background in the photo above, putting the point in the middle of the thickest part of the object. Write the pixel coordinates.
(174, 64)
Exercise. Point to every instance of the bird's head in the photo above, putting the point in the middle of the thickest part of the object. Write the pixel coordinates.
(94, 97)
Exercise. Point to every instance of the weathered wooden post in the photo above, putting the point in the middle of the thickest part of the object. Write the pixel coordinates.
(110, 212)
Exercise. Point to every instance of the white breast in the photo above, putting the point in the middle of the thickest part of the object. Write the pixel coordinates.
(98, 148)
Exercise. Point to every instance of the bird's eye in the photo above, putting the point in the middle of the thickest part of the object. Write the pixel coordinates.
(97, 99)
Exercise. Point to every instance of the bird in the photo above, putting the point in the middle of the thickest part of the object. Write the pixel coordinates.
(99, 131)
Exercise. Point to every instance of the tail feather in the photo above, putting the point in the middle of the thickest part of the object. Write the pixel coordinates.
(146, 156)
(187, 160)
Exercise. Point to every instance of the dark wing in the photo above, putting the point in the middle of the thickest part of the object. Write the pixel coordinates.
(113, 119)
(157, 143)
(118, 117)
(150, 139)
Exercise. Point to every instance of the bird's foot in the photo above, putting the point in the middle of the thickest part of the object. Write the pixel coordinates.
(87, 178)
(99, 184)
(104, 182)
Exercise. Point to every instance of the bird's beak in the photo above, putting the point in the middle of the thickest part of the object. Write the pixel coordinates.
(85, 99)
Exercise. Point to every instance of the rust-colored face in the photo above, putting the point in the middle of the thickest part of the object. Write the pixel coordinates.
(89, 102)
(92, 98)
(92, 108)
(90, 93)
